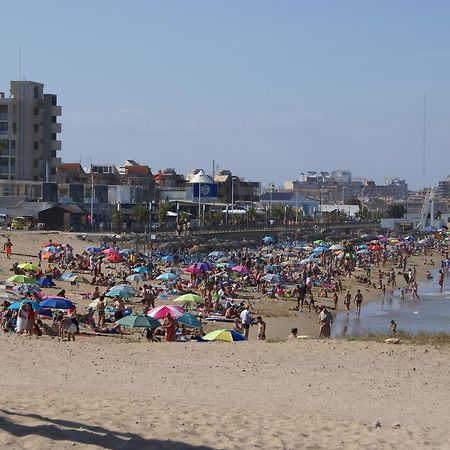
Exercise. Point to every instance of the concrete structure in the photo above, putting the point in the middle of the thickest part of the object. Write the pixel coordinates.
(29, 130)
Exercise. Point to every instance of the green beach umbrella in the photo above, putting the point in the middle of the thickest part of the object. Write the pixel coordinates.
(138, 321)
(22, 279)
(189, 298)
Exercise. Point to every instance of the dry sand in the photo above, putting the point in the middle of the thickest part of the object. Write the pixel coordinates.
(109, 393)
(99, 394)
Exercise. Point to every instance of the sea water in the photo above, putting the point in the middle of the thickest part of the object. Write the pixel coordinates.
(430, 314)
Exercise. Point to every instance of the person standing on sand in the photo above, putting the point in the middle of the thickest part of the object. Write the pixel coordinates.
(170, 328)
(325, 321)
(358, 302)
(246, 320)
(7, 246)
(335, 300)
(261, 328)
(101, 311)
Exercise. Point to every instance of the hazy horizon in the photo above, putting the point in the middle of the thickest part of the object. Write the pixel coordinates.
(267, 89)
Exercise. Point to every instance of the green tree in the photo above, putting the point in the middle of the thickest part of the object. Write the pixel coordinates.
(354, 201)
(140, 214)
(163, 209)
(117, 219)
(396, 211)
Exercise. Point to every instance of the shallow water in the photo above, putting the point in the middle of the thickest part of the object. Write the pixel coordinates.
(431, 313)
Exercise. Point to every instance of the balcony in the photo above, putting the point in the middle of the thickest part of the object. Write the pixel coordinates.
(56, 128)
(56, 145)
(56, 111)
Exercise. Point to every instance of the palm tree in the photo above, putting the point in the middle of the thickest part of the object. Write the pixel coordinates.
(116, 219)
(163, 208)
(140, 214)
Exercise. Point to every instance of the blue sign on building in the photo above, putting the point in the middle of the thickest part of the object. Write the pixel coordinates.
(206, 190)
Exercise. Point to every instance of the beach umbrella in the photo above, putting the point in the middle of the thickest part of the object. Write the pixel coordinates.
(203, 266)
(22, 279)
(320, 249)
(168, 258)
(240, 268)
(225, 336)
(363, 246)
(337, 247)
(138, 321)
(6, 284)
(192, 269)
(18, 304)
(51, 244)
(273, 278)
(375, 248)
(135, 277)
(55, 302)
(167, 276)
(319, 242)
(216, 254)
(189, 320)
(51, 249)
(114, 257)
(363, 251)
(28, 266)
(93, 249)
(141, 269)
(46, 255)
(110, 251)
(27, 288)
(160, 312)
(189, 298)
(268, 239)
(122, 291)
(45, 282)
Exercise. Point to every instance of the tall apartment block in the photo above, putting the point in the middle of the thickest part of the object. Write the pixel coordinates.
(29, 130)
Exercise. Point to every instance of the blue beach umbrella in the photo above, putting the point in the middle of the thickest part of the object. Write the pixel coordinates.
(141, 269)
(167, 276)
(45, 282)
(57, 303)
(18, 304)
(273, 278)
(93, 249)
(168, 258)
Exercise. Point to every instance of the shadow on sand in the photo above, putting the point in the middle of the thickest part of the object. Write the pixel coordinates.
(81, 433)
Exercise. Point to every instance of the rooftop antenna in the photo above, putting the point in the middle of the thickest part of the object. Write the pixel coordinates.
(424, 141)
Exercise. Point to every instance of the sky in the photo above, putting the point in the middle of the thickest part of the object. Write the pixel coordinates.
(267, 89)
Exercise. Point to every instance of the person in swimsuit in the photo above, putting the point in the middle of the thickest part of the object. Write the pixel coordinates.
(7, 246)
(261, 328)
(358, 302)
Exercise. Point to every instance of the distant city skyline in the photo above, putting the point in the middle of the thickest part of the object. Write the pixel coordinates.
(267, 89)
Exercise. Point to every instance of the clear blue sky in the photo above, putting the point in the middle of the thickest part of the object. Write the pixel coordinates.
(268, 89)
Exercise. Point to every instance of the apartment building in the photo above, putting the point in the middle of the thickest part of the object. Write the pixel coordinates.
(29, 131)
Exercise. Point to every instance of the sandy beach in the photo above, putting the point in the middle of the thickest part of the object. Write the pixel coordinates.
(116, 393)
(307, 394)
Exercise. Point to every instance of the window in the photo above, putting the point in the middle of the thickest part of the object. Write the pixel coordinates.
(53, 153)
(53, 170)
(12, 144)
(3, 127)
(54, 103)
(4, 164)
(35, 162)
(4, 144)
(54, 119)
(36, 92)
(54, 137)
(14, 127)
(36, 145)
(36, 128)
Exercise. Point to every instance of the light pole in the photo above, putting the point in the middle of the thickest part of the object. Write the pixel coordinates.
(296, 205)
(232, 199)
(272, 185)
(92, 193)
(199, 203)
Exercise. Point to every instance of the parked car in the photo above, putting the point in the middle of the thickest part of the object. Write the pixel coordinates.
(18, 223)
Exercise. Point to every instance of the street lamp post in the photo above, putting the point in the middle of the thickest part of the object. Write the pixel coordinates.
(199, 203)
(232, 199)
(343, 195)
(272, 185)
